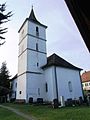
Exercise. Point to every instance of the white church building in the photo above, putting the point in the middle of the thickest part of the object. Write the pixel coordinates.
(39, 76)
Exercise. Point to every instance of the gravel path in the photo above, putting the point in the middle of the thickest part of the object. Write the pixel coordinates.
(18, 112)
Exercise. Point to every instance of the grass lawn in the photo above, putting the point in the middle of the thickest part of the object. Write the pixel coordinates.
(47, 113)
(8, 115)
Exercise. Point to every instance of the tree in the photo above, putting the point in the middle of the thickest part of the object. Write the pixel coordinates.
(4, 80)
(3, 19)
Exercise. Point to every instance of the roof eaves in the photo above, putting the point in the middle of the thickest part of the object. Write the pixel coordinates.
(37, 22)
(22, 24)
(14, 77)
(49, 65)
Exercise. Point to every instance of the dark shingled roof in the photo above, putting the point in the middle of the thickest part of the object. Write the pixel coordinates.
(14, 77)
(58, 61)
(33, 19)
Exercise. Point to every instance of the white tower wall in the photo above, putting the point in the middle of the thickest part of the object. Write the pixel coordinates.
(32, 56)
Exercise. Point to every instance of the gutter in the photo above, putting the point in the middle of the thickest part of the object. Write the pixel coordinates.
(56, 81)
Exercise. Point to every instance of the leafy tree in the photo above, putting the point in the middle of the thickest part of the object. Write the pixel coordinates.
(3, 19)
(4, 80)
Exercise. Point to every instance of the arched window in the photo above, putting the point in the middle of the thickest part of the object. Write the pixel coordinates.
(36, 46)
(70, 86)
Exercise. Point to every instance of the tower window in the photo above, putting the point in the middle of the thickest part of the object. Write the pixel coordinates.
(37, 31)
(36, 46)
(20, 92)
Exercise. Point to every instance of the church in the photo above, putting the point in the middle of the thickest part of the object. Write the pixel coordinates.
(40, 76)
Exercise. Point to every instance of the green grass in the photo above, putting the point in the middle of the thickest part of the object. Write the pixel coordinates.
(8, 115)
(48, 113)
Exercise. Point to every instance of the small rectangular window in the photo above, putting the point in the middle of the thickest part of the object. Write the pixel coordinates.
(20, 92)
(38, 91)
(37, 64)
(86, 84)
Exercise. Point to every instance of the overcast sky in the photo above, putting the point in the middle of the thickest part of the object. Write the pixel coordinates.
(63, 37)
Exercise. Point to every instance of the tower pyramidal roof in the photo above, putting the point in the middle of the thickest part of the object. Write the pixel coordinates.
(33, 19)
(32, 16)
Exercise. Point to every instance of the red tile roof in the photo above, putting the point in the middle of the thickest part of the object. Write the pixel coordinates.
(85, 76)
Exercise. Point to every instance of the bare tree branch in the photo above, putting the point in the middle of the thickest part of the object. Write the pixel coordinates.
(3, 19)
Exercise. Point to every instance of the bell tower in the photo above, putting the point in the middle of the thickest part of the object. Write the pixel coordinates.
(32, 56)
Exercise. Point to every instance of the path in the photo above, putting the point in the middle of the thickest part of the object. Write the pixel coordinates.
(18, 112)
